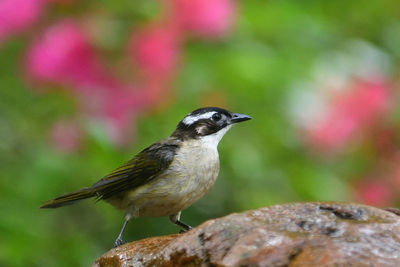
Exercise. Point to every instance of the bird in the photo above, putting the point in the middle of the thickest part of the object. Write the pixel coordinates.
(168, 176)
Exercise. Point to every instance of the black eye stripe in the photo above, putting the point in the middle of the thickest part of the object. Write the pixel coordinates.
(202, 122)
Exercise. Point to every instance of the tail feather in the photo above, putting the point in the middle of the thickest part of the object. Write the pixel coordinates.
(69, 198)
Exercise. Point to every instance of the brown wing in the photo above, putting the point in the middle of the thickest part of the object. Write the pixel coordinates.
(143, 168)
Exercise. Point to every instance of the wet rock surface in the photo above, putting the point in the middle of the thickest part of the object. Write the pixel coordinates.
(298, 234)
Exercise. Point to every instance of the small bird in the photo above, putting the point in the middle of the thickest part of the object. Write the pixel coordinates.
(168, 176)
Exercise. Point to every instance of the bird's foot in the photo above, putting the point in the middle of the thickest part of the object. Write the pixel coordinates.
(119, 242)
(186, 229)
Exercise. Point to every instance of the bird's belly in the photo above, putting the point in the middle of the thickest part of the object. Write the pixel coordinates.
(188, 179)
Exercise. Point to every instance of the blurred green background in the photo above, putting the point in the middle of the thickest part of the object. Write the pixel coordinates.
(320, 79)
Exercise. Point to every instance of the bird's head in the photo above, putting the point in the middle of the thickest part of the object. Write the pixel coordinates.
(209, 124)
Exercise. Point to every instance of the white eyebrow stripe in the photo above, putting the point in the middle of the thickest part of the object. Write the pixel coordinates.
(190, 119)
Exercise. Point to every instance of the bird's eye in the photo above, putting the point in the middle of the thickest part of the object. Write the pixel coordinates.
(216, 117)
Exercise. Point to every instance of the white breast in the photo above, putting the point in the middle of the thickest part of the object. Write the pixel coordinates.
(190, 176)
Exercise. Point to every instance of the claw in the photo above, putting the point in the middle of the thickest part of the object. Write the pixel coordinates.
(186, 229)
(119, 242)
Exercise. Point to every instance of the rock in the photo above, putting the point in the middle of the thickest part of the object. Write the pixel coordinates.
(298, 234)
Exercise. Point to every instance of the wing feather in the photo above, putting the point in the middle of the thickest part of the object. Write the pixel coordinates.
(140, 170)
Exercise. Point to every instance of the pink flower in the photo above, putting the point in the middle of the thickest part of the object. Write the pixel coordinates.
(66, 136)
(208, 18)
(155, 49)
(373, 192)
(350, 112)
(63, 54)
(119, 110)
(122, 105)
(17, 15)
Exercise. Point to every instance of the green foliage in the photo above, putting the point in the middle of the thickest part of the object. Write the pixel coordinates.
(263, 161)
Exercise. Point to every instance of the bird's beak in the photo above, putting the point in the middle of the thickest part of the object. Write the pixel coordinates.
(237, 117)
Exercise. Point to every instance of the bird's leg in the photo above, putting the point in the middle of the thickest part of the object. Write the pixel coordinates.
(119, 240)
(175, 218)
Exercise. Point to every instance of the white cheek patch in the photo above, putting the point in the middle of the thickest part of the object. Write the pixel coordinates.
(190, 119)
